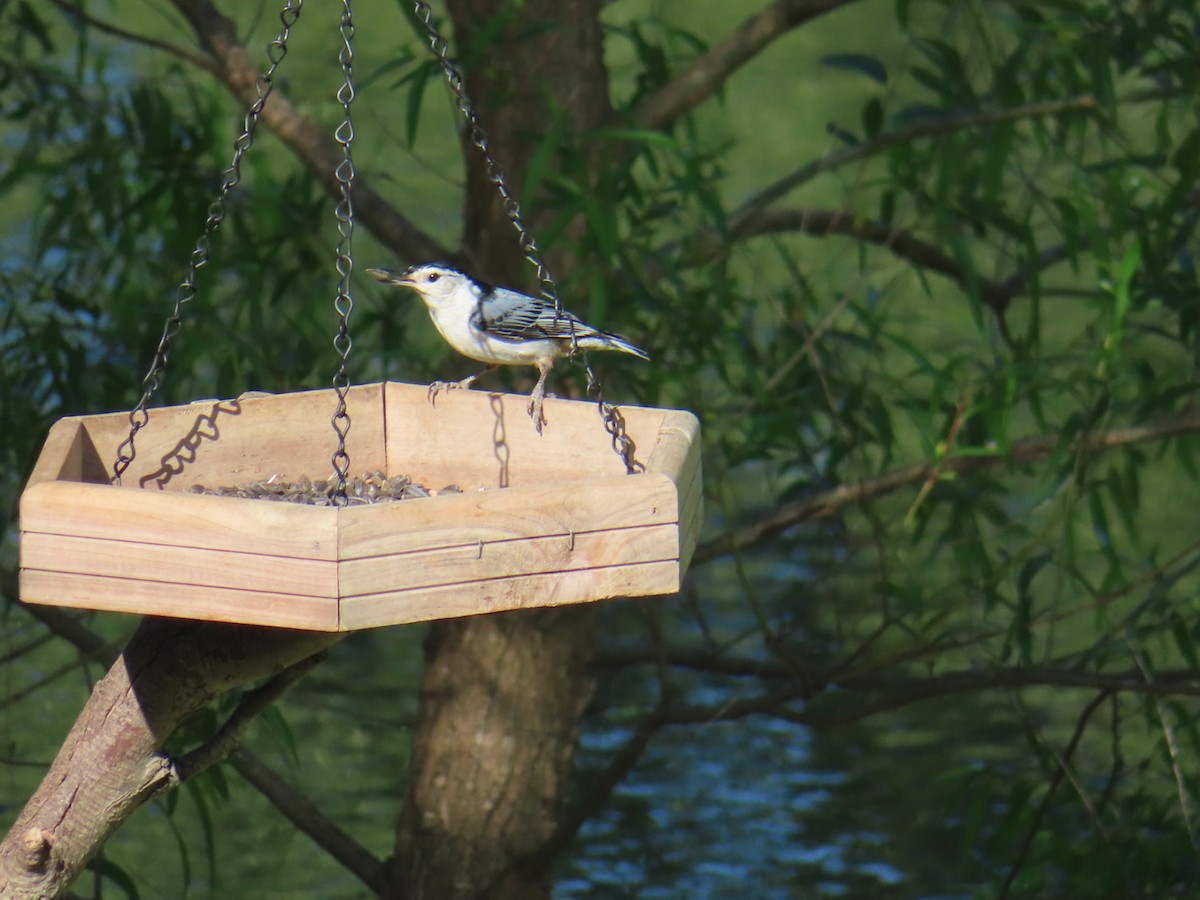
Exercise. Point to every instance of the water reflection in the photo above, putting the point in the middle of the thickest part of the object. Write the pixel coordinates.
(720, 811)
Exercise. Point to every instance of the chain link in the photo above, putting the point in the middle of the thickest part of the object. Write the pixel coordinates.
(495, 172)
(614, 422)
(139, 416)
(344, 303)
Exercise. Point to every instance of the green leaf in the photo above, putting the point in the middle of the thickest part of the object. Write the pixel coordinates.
(29, 23)
(857, 62)
(1184, 641)
(637, 136)
(418, 81)
(110, 871)
(872, 117)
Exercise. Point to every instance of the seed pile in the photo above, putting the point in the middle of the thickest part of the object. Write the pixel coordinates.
(371, 487)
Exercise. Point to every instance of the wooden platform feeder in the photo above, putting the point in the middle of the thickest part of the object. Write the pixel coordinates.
(541, 520)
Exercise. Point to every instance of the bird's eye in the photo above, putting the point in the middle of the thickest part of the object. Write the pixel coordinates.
(433, 276)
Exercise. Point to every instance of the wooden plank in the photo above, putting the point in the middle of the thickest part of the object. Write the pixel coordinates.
(508, 514)
(179, 565)
(183, 520)
(168, 552)
(61, 455)
(450, 601)
(222, 442)
(508, 558)
(178, 601)
(486, 439)
(691, 516)
(675, 449)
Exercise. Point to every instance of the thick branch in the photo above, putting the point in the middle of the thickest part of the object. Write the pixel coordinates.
(112, 761)
(315, 149)
(1021, 453)
(710, 71)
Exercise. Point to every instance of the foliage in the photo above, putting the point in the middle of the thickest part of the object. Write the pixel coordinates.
(947, 400)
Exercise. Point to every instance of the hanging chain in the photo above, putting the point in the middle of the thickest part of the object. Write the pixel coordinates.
(344, 303)
(614, 422)
(139, 415)
(495, 173)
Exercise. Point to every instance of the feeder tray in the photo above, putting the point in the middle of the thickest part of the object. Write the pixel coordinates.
(541, 520)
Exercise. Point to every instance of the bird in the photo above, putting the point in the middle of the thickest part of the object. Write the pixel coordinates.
(500, 326)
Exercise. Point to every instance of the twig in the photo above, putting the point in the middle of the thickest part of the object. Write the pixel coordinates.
(904, 244)
(253, 703)
(303, 813)
(312, 146)
(930, 128)
(1059, 774)
(192, 59)
(706, 75)
(1020, 453)
(593, 801)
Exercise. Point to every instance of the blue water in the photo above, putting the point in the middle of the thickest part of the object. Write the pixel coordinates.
(718, 811)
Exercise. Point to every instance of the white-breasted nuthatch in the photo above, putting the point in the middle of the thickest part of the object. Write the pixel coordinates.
(499, 326)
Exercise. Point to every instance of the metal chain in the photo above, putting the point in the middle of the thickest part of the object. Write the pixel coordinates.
(495, 172)
(139, 415)
(614, 422)
(344, 303)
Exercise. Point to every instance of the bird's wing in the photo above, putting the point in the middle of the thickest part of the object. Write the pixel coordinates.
(512, 316)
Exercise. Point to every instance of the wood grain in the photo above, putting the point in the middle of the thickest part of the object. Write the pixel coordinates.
(570, 527)
(479, 597)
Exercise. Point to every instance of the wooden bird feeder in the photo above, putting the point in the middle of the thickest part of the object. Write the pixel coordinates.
(541, 520)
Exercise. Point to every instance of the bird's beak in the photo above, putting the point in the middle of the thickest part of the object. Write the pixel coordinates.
(391, 276)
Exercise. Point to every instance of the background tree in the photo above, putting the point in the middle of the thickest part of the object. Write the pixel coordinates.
(925, 270)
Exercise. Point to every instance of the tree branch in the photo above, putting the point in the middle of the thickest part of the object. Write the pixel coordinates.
(79, 14)
(112, 760)
(252, 704)
(904, 244)
(311, 145)
(706, 75)
(1059, 773)
(902, 693)
(303, 813)
(1020, 453)
(906, 692)
(928, 128)
(600, 789)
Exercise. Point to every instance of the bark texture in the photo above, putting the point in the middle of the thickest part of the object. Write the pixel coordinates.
(500, 699)
(112, 760)
(502, 694)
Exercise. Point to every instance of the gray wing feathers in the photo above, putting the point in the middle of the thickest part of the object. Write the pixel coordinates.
(512, 316)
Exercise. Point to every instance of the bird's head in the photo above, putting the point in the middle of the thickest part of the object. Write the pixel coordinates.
(435, 282)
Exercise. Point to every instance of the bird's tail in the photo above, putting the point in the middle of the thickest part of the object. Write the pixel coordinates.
(606, 340)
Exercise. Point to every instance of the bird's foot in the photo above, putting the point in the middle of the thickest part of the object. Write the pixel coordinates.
(535, 410)
(438, 386)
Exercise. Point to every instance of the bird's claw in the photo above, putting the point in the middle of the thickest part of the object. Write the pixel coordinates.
(438, 386)
(536, 413)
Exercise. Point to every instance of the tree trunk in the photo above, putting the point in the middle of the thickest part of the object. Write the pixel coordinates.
(112, 761)
(502, 694)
